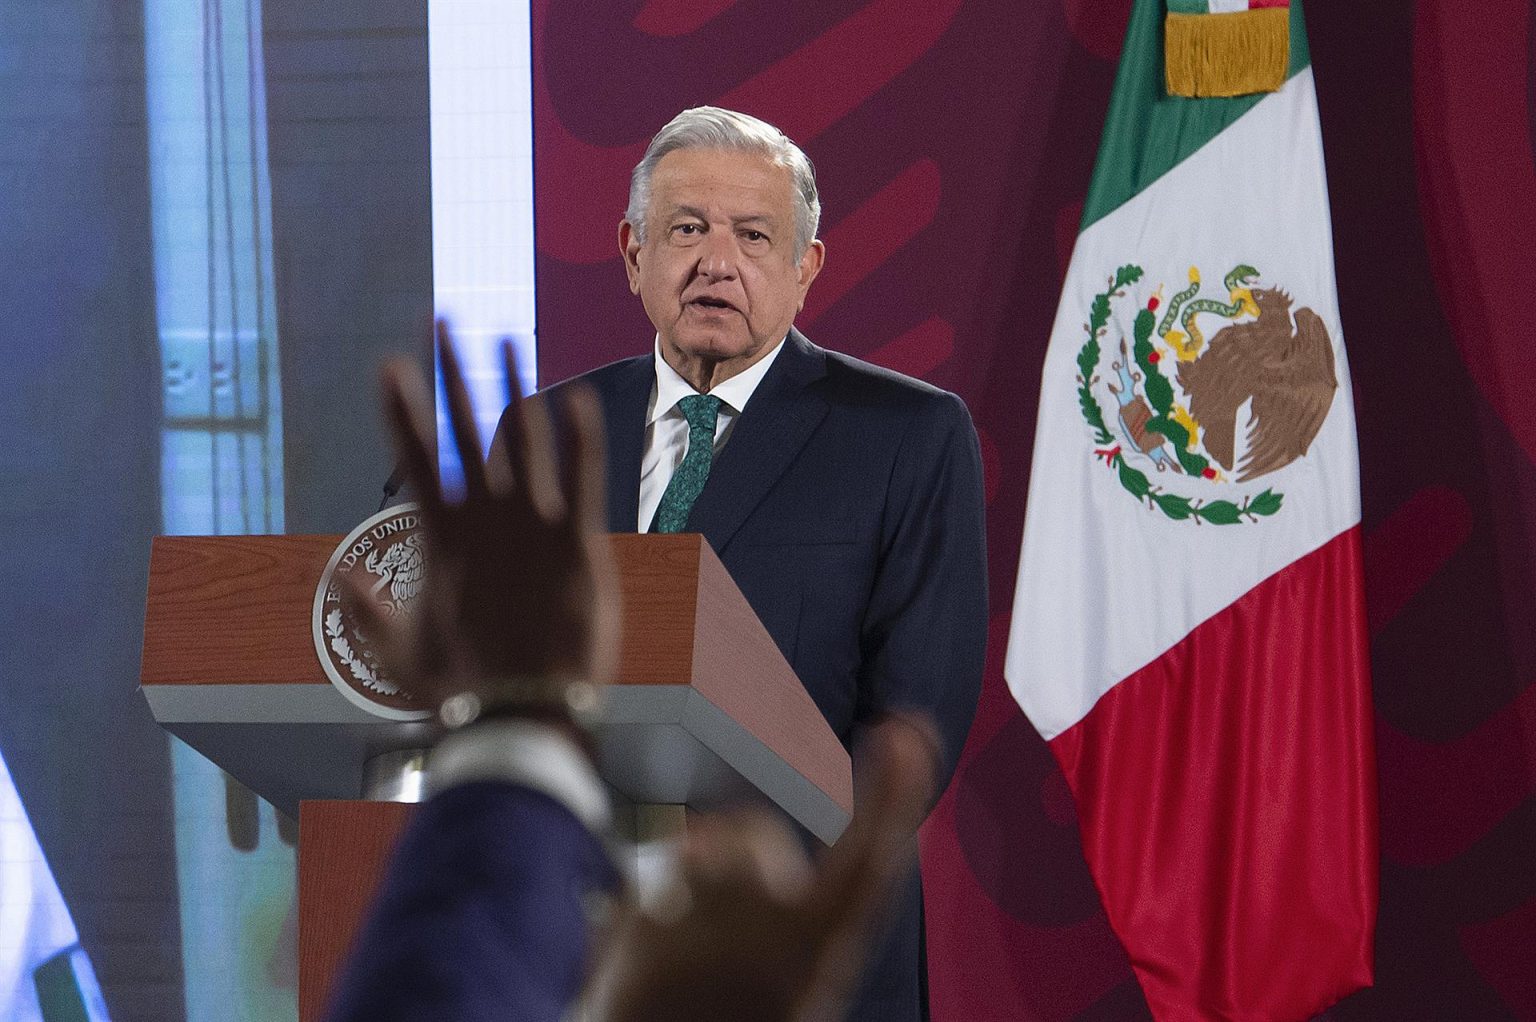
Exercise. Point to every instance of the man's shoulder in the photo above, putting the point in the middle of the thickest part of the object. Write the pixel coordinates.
(855, 382)
(847, 371)
(614, 374)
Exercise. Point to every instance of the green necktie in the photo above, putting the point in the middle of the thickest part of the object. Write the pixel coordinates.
(687, 482)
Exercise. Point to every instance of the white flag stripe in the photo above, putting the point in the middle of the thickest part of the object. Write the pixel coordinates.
(1227, 6)
(1093, 604)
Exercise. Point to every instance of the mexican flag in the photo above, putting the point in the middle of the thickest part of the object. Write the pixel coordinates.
(1188, 630)
(45, 976)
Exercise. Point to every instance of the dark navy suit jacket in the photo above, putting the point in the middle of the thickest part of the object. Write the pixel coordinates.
(848, 507)
(482, 913)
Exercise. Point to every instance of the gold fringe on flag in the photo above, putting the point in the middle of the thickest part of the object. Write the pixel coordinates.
(1231, 54)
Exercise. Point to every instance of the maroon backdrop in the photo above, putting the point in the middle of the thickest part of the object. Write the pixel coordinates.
(954, 142)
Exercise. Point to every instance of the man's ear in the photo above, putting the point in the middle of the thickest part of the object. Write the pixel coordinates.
(629, 248)
(810, 265)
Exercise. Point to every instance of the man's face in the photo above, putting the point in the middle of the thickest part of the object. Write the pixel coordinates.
(717, 272)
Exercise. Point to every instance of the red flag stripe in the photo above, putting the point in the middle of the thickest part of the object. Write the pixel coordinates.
(1227, 793)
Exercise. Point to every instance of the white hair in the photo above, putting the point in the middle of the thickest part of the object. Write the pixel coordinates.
(710, 127)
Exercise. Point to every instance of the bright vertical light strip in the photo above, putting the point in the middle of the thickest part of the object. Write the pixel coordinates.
(210, 208)
(221, 454)
(481, 75)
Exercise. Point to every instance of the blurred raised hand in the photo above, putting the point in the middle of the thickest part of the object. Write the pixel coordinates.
(519, 583)
(753, 931)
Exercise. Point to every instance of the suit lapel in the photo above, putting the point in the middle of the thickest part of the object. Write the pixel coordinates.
(778, 420)
(624, 407)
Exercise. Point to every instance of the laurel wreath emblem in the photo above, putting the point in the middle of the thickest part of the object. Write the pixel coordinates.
(1159, 394)
(355, 664)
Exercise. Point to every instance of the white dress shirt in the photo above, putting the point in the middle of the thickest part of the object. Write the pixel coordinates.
(666, 431)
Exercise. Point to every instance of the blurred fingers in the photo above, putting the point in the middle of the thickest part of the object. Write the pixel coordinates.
(523, 450)
(539, 476)
(461, 415)
(897, 775)
(507, 461)
(744, 857)
(585, 487)
(499, 476)
(584, 458)
(408, 408)
(358, 603)
(511, 378)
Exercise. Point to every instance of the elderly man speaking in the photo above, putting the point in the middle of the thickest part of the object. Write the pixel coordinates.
(845, 499)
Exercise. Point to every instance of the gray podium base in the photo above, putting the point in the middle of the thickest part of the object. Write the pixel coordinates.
(660, 744)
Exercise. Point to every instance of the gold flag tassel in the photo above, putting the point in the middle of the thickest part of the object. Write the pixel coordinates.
(1231, 54)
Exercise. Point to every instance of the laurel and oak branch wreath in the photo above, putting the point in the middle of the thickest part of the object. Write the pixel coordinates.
(343, 648)
(1159, 393)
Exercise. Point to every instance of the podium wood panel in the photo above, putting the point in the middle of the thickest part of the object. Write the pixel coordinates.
(704, 708)
(775, 707)
(343, 849)
(237, 609)
(233, 610)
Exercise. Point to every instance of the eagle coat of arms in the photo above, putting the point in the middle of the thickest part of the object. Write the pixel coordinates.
(1232, 409)
(387, 553)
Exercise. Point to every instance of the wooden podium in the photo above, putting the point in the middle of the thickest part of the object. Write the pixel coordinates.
(704, 711)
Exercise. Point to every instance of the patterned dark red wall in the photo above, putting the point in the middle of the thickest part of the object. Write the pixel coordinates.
(954, 142)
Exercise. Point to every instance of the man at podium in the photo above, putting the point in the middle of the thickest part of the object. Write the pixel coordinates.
(499, 894)
(844, 499)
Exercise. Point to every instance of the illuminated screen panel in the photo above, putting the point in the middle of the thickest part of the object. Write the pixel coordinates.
(482, 195)
(210, 208)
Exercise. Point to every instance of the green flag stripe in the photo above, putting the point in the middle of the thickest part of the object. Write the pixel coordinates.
(1148, 132)
(1189, 6)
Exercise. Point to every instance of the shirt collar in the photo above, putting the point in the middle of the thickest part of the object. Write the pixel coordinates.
(735, 392)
